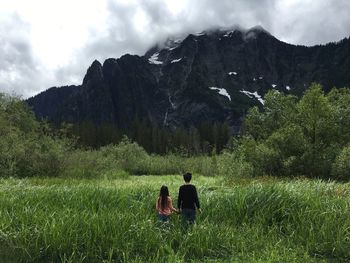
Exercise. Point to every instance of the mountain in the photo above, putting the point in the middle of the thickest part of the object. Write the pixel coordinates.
(212, 76)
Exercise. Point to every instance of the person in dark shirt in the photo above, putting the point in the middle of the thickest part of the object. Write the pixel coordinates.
(188, 201)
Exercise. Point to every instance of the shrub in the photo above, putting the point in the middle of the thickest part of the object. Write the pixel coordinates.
(297, 137)
(262, 158)
(89, 164)
(26, 149)
(289, 143)
(128, 155)
(230, 166)
(341, 166)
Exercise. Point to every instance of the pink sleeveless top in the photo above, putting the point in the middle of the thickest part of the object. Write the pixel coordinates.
(166, 210)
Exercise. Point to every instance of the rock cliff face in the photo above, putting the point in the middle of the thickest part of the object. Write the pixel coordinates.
(212, 76)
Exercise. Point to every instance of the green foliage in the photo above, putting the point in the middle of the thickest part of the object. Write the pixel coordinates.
(130, 158)
(279, 109)
(289, 143)
(340, 101)
(129, 155)
(88, 164)
(292, 137)
(341, 166)
(26, 148)
(232, 167)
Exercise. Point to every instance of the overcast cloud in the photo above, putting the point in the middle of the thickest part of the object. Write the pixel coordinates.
(52, 43)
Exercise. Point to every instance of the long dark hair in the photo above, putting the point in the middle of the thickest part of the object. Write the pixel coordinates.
(163, 195)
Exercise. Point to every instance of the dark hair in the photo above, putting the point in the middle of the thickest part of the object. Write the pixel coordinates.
(164, 193)
(187, 177)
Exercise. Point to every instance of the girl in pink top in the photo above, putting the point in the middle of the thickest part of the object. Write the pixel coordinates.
(164, 204)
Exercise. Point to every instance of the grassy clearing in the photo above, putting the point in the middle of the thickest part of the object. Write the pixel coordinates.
(113, 220)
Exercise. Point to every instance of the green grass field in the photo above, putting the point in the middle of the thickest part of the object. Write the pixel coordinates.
(261, 220)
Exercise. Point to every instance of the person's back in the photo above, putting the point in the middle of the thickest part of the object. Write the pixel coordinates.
(188, 197)
(168, 207)
(188, 200)
(164, 204)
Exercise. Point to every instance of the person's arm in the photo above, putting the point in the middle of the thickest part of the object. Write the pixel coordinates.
(171, 205)
(157, 204)
(179, 199)
(196, 199)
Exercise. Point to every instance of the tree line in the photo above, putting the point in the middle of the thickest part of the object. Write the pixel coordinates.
(206, 138)
(289, 136)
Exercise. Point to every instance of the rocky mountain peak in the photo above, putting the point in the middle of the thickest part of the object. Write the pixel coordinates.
(210, 76)
(94, 73)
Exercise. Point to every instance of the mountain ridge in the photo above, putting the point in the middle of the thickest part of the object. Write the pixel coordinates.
(211, 76)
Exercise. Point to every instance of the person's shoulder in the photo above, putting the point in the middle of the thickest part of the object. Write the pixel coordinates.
(187, 186)
(191, 187)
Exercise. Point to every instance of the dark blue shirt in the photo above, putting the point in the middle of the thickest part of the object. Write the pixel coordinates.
(188, 197)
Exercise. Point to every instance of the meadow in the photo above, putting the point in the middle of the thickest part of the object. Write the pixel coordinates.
(113, 219)
(276, 192)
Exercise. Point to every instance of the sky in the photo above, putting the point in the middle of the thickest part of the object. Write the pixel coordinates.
(46, 43)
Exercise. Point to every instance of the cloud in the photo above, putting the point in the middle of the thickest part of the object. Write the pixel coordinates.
(135, 26)
(54, 48)
(18, 67)
(309, 22)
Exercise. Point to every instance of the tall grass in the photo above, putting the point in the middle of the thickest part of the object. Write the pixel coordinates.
(99, 163)
(84, 220)
(132, 159)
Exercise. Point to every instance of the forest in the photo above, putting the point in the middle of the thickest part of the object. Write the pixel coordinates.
(290, 136)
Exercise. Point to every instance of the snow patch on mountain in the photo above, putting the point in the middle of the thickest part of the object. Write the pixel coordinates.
(232, 73)
(154, 59)
(222, 92)
(172, 48)
(228, 33)
(176, 60)
(253, 95)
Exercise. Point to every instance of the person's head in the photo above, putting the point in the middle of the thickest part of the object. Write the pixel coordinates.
(164, 193)
(187, 177)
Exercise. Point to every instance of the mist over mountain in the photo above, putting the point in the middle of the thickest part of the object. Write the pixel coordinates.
(211, 76)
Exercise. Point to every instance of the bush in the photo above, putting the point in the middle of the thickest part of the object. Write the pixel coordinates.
(89, 164)
(230, 166)
(298, 137)
(262, 158)
(341, 166)
(23, 157)
(132, 158)
(26, 148)
(128, 155)
(43, 157)
(289, 143)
